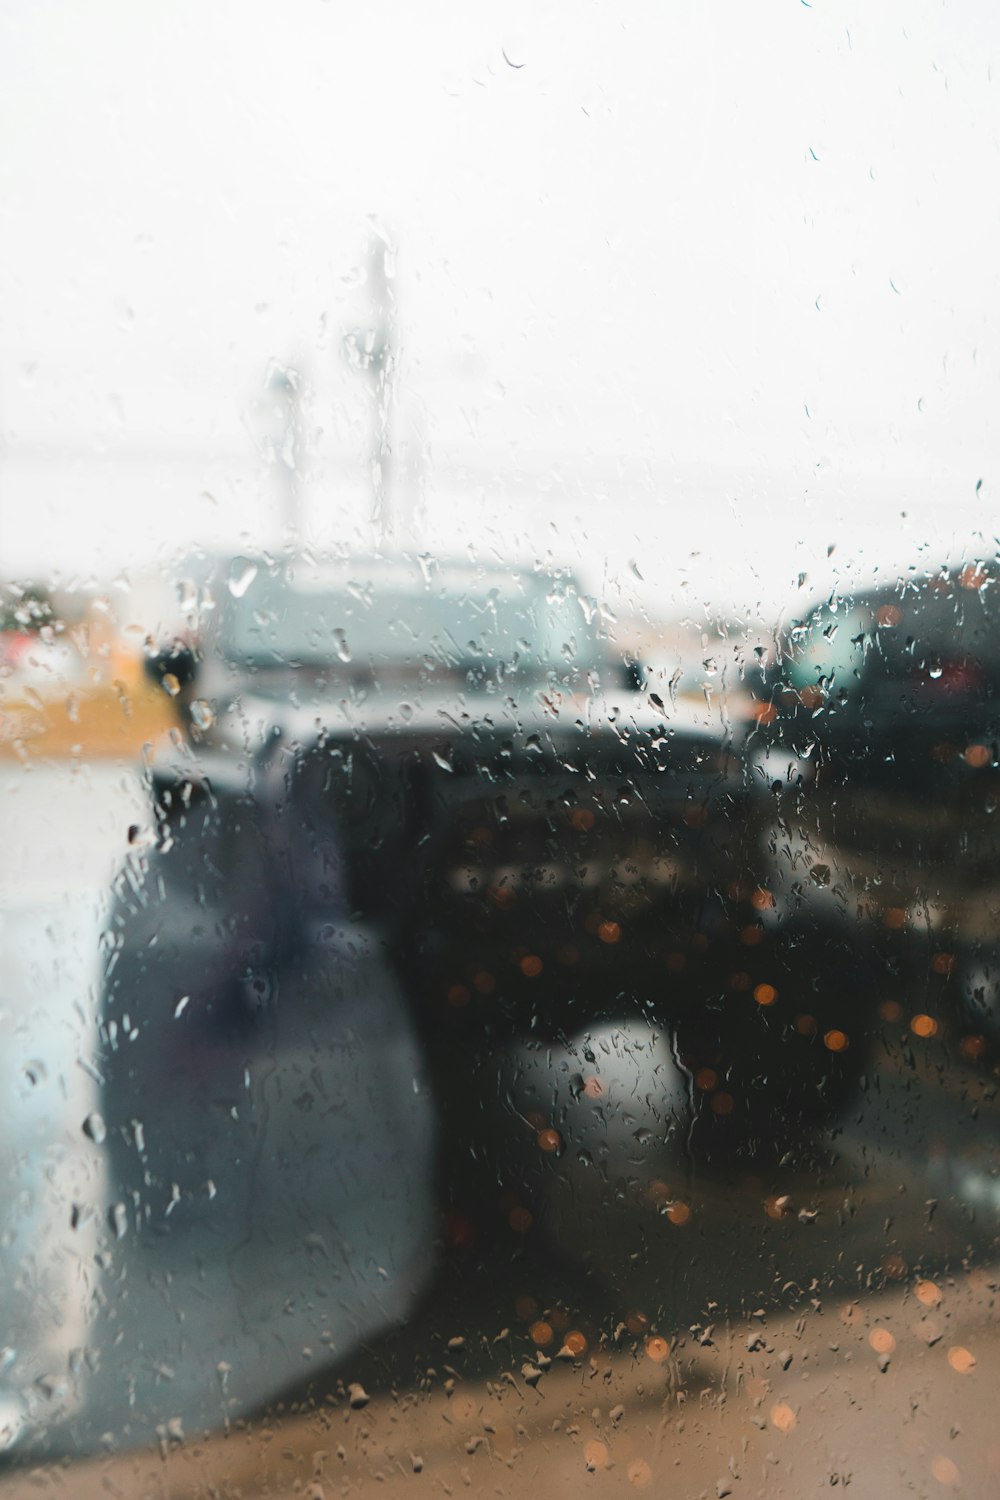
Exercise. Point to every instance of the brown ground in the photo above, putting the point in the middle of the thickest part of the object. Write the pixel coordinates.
(893, 1395)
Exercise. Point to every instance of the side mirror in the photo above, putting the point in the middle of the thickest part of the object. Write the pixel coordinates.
(172, 668)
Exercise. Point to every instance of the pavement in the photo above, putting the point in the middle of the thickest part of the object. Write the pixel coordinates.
(884, 1395)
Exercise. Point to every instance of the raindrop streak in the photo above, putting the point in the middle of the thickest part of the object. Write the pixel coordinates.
(202, 714)
(242, 573)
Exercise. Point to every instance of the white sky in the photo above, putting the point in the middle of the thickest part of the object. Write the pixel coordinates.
(709, 288)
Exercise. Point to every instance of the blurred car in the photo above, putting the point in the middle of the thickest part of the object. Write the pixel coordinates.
(458, 757)
(879, 725)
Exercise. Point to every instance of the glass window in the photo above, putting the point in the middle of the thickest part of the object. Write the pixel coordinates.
(499, 748)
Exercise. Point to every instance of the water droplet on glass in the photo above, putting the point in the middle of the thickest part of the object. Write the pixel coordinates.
(187, 596)
(202, 714)
(242, 573)
(95, 1129)
(340, 641)
(118, 1220)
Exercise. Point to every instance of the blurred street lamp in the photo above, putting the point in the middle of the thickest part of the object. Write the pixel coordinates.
(276, 422)
(284, 389)
(371, 351)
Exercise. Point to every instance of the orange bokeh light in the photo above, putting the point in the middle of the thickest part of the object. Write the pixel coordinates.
(783, 1417)
(945, 1471)
(595, 1454)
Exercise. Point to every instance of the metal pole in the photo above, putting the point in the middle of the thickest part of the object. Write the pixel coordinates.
(372, 351)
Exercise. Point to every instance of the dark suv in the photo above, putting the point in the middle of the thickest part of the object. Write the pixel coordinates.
(449, 765)
(879, 726)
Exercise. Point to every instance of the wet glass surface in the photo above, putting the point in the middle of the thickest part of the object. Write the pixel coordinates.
(499, 742)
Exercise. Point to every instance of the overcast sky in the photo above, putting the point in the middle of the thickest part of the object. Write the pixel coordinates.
(706, 289)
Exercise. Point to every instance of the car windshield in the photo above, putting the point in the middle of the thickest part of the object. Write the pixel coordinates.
(382, 622)
(910, 631)
(827, 648)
